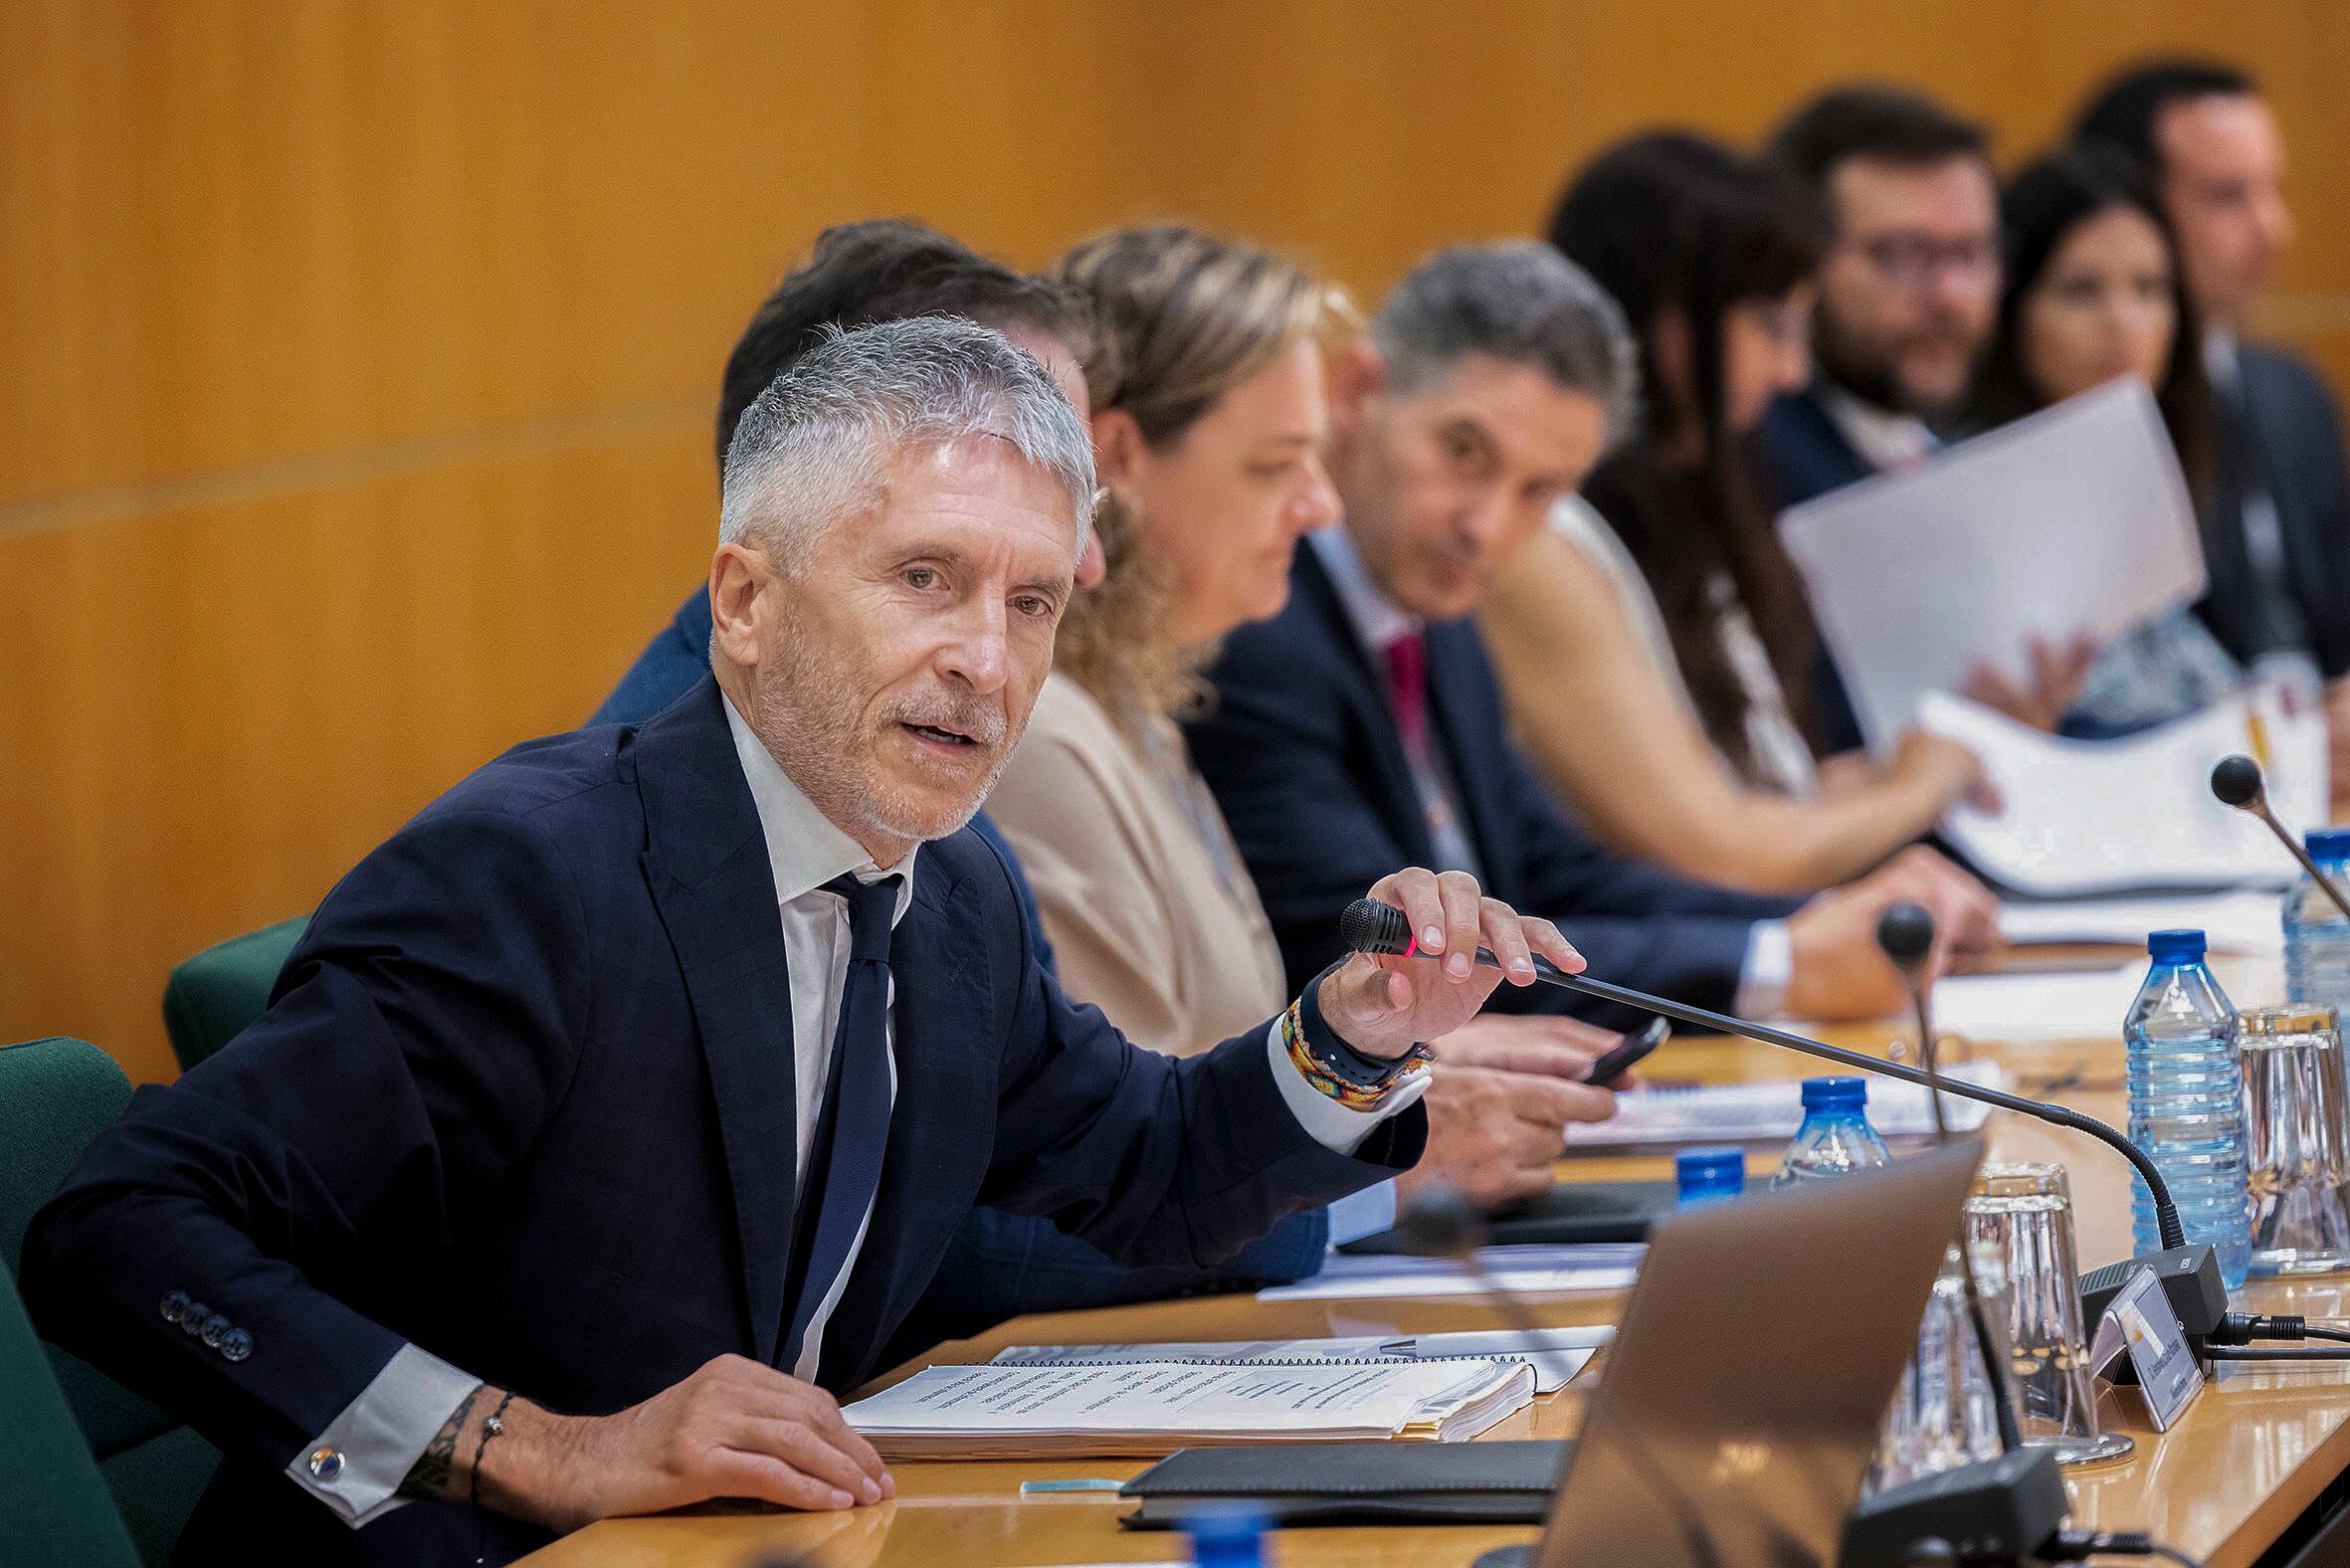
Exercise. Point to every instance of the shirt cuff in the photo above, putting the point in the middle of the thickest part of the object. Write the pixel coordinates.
(355, 1467)
(1361, 1214)
(1334, 1127)
(1763, 977)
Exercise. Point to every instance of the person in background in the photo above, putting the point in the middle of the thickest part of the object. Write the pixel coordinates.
(1209, 425)
(1668, 715)
(1907, 300)
(1364, 720)
(2276, 536)
(2094, 292)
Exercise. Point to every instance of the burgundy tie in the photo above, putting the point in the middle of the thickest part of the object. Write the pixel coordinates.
(1407, 689)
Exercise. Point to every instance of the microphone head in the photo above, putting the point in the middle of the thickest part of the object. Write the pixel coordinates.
(2237, 780)
(1439, 1222)
(1906, 931)
(1369, 926)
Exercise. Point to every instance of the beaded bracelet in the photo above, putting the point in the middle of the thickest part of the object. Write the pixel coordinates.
(1327, 1078)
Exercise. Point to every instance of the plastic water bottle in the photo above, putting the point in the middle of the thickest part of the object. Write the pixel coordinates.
(1713, 1175)
(1836, 1138)
(2316, 937)
(1227, 1538)
(2187, 1103)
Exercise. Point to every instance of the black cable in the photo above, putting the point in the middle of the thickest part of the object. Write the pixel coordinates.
(2080, 1545)
(2314, 1332)
(2314, 1353)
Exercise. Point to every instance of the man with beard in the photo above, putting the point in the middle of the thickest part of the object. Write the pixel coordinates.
(611, 1114)
(1909, 296)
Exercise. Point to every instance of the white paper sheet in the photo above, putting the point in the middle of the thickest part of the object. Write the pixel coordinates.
(999, 1409)
(2075, 520)
(1513, 1270)
(2077, 1006)
(2100, 816)
(1770, 1112)
(2241, 922)
(1554, 1360)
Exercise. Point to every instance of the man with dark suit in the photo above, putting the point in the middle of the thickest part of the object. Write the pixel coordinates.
(1908, 300)
(612, 1114)
(1364, 721)
(999, 1264)
(2276, 539)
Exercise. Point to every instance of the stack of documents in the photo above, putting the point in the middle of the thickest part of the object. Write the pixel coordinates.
(2098, 815)
(1555, 1354)
(1765, 1112)
(1517, 1269)
(2241, 922)
(1039, 1409)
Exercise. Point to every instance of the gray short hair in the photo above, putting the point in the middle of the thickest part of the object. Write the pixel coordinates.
(1517, 301)
(813, 448)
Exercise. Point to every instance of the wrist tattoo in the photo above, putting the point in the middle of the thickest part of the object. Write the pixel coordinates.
(436, 1468)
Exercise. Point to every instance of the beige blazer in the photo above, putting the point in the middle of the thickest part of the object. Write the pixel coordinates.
(1151, 915)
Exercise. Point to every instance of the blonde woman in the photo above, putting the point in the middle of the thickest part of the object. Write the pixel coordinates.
(1209, 420)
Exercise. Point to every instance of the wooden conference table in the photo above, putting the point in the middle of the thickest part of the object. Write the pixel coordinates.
(2253, 1453)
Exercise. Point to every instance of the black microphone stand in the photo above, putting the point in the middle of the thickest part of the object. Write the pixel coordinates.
(2189, 1274)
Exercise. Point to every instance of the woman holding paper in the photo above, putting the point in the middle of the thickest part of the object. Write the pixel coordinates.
(2094, 290)
(1655, 646)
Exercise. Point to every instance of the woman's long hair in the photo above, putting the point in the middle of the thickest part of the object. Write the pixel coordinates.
(1181, 318)
(1682, 228)
(2038, 212)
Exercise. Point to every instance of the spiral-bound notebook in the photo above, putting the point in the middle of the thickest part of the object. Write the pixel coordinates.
(1039, 1409)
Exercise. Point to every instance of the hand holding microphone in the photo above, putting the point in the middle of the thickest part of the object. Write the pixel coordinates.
(1386, 1000)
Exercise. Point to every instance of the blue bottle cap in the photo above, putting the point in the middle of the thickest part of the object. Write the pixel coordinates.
(2175, 947)
(1721, 1166)
(1837, 1094)
(2329, 844)
(1227, 1538)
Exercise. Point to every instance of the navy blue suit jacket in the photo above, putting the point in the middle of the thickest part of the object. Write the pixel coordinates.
(524, 1098)
(1303, 754)
(1001, 1265)
(2290, 435)
(1805, 456)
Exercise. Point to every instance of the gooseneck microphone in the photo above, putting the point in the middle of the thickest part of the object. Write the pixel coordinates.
(2236, 782)
(2189, 1274)
(1369, 926)
(1905, 935)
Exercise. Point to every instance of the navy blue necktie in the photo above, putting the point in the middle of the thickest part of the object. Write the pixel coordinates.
(845, 1165)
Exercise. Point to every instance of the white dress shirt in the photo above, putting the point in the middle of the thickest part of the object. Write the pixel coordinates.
(377, 1438)
(1379, 620)
(1888, 440)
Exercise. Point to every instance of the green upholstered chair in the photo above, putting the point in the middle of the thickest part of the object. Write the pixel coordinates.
(54, 1096)
(214, 995)
(53, 1503)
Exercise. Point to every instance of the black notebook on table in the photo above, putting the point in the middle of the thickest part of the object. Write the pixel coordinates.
(1354, 1482)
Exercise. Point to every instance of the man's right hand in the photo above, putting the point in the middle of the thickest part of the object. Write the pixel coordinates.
(1839, 971)
(734, 1429)
(1499, 1097)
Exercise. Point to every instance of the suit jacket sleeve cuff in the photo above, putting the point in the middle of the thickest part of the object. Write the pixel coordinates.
(355, 1467)
(1336, 1128)
(1763, 977)
(1362, 1214)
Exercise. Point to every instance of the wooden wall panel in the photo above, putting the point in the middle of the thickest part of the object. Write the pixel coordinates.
(355, 358)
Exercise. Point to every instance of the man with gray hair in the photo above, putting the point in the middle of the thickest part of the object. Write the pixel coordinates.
(1363, 725)
(611, 1115)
